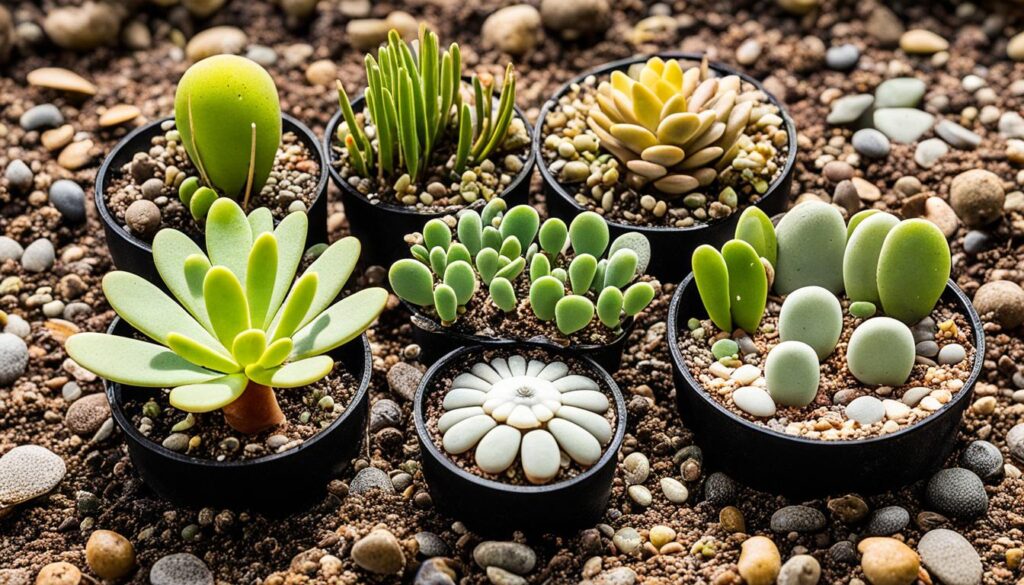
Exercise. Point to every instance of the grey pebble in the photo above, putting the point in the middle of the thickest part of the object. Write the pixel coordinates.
(957, 493)
(950, 557)
(903, 125)
(41, 116)
(10, 249)
(887, 521)
(957, 136)
(871, 143)
(17, 326)
(915, 395)
(176, 442)
(928, 152)
(401, 481)
(403, 379)
(720, 489)
(866, 410)
(262, 54)
(899, 92)
(927, 348)
(431, 545)
(976, 241)
(180, 569)
(71, 391)
(849, 109)
(371, 478)
(797, 519)
(38, 256)
(842, 57)
(800, 570)
(844, 552)
(19, 176)
(69, 199)
(13, 358)
(616, 576)
(983, 458)
(1015, 442)
(511, 556)
(952, 354)
(385, 413)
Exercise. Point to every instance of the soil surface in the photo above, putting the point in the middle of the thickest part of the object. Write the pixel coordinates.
(140, 67)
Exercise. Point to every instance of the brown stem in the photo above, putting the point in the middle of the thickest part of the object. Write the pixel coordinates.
(252, 168)
(255, 410)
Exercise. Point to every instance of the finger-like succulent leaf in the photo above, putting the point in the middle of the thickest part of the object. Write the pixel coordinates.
(457, 251)
(470, 229)
(755, 228)
(581, 273)
(228, 236)
(609, 306)
(492, 237)
(511, 248)
(856, 220)
(339, 324)
(522, 221)
(173, 254)
(438, 260)
(413, 282)
(226, 304)
(332, 268)
(187, 189)
(588, 233)
(201, 201)
(486, 264)
(512, 269)
(573, 313)
(493, 211)
(249, 346)
(545, 292)
(637, 297)
(553, 235)
(539, 266)
(296, 306)
(503, 294)
(748, 284)
(260, 276)
(712, 277)
(446, 303)
(460, 277)
(201, 355)
(291, 243)
(275, 353)
(208, 396)
(860, 262)
(293, 374)
(621, 268)
(133, 362)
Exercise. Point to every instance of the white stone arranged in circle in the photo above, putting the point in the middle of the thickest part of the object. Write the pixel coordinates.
(532, 409)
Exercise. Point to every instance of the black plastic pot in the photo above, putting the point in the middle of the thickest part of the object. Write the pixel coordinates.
(382, 226)
(436, 341)
(493, 507)
(135, 255)
(774, 461)
(277, 483)
(671, 247)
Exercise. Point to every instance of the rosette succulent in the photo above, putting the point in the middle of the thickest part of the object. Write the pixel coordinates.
(241, 323)
(680, 129)
(497, 248)
(414, 104)
(227, 113)
(526, 409)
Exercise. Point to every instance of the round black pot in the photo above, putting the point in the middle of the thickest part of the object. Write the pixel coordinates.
(436, 341)
(135, 255)
(277, 483)
(493, 507)
(671, 247)
(773, 461)
(381, 226)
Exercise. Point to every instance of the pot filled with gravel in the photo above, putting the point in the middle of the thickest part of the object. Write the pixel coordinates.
(519, 437)
(501, 277)
(221, 142)
(817, 355)
(671, 146)
(400, 160)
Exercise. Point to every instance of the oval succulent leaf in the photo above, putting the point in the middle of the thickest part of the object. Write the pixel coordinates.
(413, 282)
(581, 273)
(553, 235)
(522, 221)
(226, 304)
(470, 230)
(636, 242)
(260, 276)
(493, 211)
(340, 323)
(712, 277)
(860, 264)
(511, 248)
(249, 346)
(294, 374)
(755, 228)
(492, 238)
(438, 260)
(296, 306)
(512, 269)
(276, 353)
(539, 266)
(637, 297)
(182, 266)
(545, 292)
(228, 237)
(588, 233)
(201, 355)
(748, 284)
(457, 251)
(913, 268)
(208, 396)
(609, 307)
(460, 277)
(503, 294)
(573, 313)
(446, 303)
(621, 268)
(133, 362)
(437, 233)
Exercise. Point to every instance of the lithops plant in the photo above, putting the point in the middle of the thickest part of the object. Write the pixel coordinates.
(518, 259)
(26, 473)
(526, 409)
(679, 129)
(241, 324)
(881, 351)
(814, 316)
(792, 373)
(812, 243)
(733, 284)
(913, 268)
(227, 112)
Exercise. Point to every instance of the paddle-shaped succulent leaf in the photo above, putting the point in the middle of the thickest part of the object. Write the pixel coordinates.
(748, 284)
(239, 317)
(755, 228)
(227, 111)
(860, 263)
(588, 234)
(711, 274)
(913, 267)
(572, 313)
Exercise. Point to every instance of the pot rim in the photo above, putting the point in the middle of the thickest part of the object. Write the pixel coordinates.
(326, 146)
(157, 449)
(610, 451)
(620, 64)
(679, 364)
(106, 169)
(542, 342)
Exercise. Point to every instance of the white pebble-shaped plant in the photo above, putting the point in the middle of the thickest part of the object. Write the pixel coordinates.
(526, 408)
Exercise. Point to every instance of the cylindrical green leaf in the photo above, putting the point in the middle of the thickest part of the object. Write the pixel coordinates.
(446, 303)
(460, 277)
(438, 260)
(588, 233)
(637, 297)
(755, 228)
(419, 252)
(513, 268)
(297, 304)
(493, 211)
(503, 294)
(470, 229)
(581, 273)
(609, 307)
(260, 276)
(621, 268)
(545, 292)
(573, 313)
(437, 233)
(226, 304)
(510, 248)
(412, 281)
(458, 251)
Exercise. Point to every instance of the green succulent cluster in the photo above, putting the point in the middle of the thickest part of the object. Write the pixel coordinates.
(240, 315)
(498, 246)
(413, 101)
(228, 115)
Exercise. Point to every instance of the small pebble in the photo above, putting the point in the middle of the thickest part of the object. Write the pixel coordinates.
(871, 143)
(109, 554)
(842, 57)
(41, 116)
(958, 493)
(69, 198)
(19, 176)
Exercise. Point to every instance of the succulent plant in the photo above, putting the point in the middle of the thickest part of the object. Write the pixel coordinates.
(680, 129)
(414, 101)
(494, 248)
(860, 263)
(733, 284)
(814, 316)
(812, 243)
(530, 409)
(881, 351)
(242, 324)
(792, 373)
(913, 267)
(227, 112)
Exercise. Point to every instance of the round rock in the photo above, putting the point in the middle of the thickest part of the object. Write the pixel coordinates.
(952, 354)
(887, 521)
(38, 256)
(511, 556)
(866, 410)
(180, 569)
(887, 561)
(41, 116)
(86, 415)
(977, 197)
(576, 18)
(754, 401)
(871, 143)
(69, 199)
(950, 557)
(27, 472)
(1003, 301)
(18, 176)
(1015, 442)
(842, 57)
(797, 519)
(143, 218)
(983, 458)
(515, 29)
(109, 554)
(403, 379)
(13, 358)
(371, 478)
(379, 552)
(957, 493)
(720, 489)
(800, 570)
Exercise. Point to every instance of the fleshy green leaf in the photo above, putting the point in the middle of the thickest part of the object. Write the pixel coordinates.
(637, 297)
(249, 346)
(573, 313)
(461, 278)
(260, 277)
(510, 248)
(621, 268)
(209, 396)
(437, 233)
(276, 353)
(341, 323)
(470, 229)
(486, 264)
(152, 312)
(201, 201)
(412, 281)
(539, 266)
(332, 268)
(228, 236)
(201, 355)
(226, 304)
(291, 243)
(446, 303)
(296, 305)
(173, 254)
(748, 284)
(457, 251)
(581, 273)
(133, 362)
(438, 260)
(512, 269)
(553, 235)
(755, 228)
(522, 221)
(503, 294)
(294, 374)
(545, 292)
(261, 220)
(588, 233)
(609, 306)
(712, 277)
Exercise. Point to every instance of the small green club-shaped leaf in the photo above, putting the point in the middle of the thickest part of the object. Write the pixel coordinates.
(637, 297)
(291, 243)
(712, 277)
(133, 362)
(503, 294)
(860, 262)
(260, 276)
(609, 307)
(581, 273)
(492, 238)
(588, 233)
(249, 346)
(636, 242)
(621, 268)
(182, 266)
(513, 268)
(332, 268)
(856, 220)
(487, 264)
(511, 248)
(293, 374)
(187, 189)
(340, 323)
(446, 303)
(208, 396)
(201, 201)
(563, 276)
(573, 313)
(598, 283)
(493, 211)
(522, 221)
(748, 284)
(412, 281)
(539, 266)
(228, 236)
(437, 233)
(296, 305)
(201, 355)
(553, 235)
(457, 251)
(438, 260)
(419, 252)
(276, 353)
(462, 279)
(545, 292)
(226, 304)
(471, 231)
(755, 228)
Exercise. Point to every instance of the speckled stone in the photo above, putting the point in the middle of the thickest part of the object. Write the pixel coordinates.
(950, 557)
(720, 489)
(511, 556)
(797, 519)
(27, 472)
(958, 493)
(13, 358)
(800, 570)
(983, 458)
(887, 521)
(180, 569)
(371, 478)
(1015, 442)
(86, 415)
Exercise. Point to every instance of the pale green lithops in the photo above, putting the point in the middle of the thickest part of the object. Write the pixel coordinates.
(860, 264)
(526, 408)
(27, 472)
(755, 228)
(814, 316)
(881, 351)
(792, 373)
(812, 240)
(913, 267)
(228, 114)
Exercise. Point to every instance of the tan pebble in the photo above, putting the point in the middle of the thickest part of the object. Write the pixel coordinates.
(985, 405)
(59, 573)
(731, 519)
(760, 561)
(58, 138)
(922, 42)
(405, 23)
(61, 79)
(76, 155)
(109, 554)
(1015, 48)
(672, 548)
(119, 114)
(661, 535)
(866, 190)
(322, 72)
(215, 41)
(937, 211)
(798, 7)
(887, 561)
